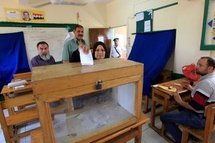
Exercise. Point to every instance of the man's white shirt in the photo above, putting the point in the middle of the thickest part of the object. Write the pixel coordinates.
(115, 52)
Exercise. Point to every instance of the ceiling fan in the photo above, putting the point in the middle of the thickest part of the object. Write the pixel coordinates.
(59, 2)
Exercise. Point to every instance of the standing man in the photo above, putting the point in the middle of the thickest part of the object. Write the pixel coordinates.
(71, 54)
(43, 57)
(72, 46)
(116, 51)
(202, 94)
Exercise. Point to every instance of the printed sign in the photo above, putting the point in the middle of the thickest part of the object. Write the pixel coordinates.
(24, 15)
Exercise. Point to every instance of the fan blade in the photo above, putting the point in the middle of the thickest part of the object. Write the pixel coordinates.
(41, 5)
(71, 3)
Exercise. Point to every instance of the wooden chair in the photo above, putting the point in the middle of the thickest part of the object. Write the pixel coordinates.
(26, 110)
(23, 76)
(37, 136)
(23, 113)
(204, 134)
(9, 123)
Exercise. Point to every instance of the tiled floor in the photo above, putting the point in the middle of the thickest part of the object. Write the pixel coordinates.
(148, 135)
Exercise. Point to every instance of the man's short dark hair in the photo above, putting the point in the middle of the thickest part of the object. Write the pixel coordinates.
(25, 12)
(77, 26)
(115, 39)
(42, 42)
(211, 61)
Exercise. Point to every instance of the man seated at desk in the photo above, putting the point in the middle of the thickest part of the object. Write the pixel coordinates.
(202, 94)
(43, 58)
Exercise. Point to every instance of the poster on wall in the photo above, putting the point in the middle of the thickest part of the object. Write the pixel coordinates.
(24, 15)
(208, 28)
(144, 21)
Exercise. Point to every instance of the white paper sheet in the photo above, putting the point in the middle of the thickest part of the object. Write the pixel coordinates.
(86, 59)
(139, 16)
(147, 26)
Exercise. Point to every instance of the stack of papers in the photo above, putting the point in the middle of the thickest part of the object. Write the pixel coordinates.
(17, 83)
(168, 88)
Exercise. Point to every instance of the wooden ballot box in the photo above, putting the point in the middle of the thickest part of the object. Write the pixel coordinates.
(87, 103)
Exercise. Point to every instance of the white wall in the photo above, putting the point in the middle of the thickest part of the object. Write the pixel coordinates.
(91, 15)
(189, 29)
(186, 17)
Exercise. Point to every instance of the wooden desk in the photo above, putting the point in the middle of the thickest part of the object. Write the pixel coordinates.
(21, 76)
(6, 90)
(164, 98)
(26, 76)
(27, 90)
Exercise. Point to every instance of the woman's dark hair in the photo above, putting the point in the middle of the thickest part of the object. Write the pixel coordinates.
(95, 47)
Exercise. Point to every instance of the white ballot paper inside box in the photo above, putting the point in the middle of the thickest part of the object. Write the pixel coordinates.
(86, 58)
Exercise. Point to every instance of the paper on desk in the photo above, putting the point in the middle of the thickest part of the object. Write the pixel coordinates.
(170, 88)
(20, 86)
(17, 83)
(86, 59)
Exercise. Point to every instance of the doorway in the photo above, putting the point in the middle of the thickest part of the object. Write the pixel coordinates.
(107, 35)
(100, 34)
(121, 33)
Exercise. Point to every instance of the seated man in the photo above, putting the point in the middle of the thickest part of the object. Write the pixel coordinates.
(43, 57)
(202, 94)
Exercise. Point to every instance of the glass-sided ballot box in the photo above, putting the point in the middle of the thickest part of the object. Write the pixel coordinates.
(87, 103)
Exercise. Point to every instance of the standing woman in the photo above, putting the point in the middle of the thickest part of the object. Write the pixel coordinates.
(99, 51)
